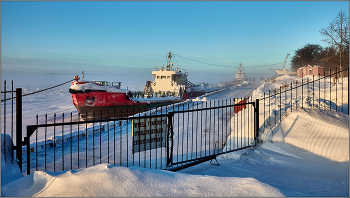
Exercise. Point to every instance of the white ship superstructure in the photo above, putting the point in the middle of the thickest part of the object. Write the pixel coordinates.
(239, 76)
(168, 79)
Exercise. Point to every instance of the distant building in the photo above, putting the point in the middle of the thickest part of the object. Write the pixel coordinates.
(310, 70)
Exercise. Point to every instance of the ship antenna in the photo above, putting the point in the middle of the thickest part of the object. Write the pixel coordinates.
(82, 75)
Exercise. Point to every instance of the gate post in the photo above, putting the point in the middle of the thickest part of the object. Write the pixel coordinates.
(256, 118)
(19, 126)
(170, 136)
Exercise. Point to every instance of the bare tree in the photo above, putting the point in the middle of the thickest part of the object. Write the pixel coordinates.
(337, 33)
(307, 55)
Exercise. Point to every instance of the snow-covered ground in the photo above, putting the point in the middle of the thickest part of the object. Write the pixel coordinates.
(306, 154)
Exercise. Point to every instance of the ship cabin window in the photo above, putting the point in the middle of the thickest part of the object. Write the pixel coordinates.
(158, 77)
(168, 77)
(163, 77)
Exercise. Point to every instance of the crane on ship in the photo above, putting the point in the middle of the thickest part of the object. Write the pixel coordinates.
(285, 61)
(283, 71)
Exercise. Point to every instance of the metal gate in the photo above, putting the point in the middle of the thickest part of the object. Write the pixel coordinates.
(205, 129)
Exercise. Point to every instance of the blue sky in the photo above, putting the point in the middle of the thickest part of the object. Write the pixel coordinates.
(123, 37)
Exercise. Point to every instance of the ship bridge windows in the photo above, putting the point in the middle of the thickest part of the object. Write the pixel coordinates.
(163, 77)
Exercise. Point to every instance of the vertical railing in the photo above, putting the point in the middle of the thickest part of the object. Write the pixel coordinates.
(332, 97)
(18, 136)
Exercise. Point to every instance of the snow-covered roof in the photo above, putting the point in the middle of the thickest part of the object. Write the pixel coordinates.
(307, 66)
(90, 85)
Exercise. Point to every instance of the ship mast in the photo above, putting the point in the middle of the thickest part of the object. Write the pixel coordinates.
(170, 65)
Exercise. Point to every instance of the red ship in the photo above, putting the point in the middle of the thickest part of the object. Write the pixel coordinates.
(103, 100)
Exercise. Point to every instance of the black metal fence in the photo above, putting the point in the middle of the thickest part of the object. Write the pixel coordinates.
(316, 92)
(196, 131)
(193, 132)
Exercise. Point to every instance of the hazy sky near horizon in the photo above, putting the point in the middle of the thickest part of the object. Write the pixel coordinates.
(123, 37)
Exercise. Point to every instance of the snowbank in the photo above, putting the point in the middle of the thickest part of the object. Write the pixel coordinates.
(9, 171)
(110, 181)
(324, 133)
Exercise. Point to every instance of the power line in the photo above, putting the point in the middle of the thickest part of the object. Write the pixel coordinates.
(227, 65)
(38, 91)
(203, 62)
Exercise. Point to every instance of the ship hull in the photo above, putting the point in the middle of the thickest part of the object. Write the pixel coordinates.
(116, 111)
(197, 93)
(108, 105)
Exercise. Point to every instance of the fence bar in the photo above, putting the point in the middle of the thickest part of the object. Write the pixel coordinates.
(11, 117)
(93, 140)
(205, 139)
(210, 126)
(71, 142)
(218, 127)
(264, 112)
(45, 138)
(248, 120)
(183, 131)
(150, 150)
(330, 90)
(5, 125)
(241, 121)
(36, 145)
(237, 129)
(214, 129)
(54, 143)
(285, 99)
(108, 138)
(302, 93)
(342, 88)
(256, 117)
(226, 125)
(18, 125)
(280, 105)
(313, 91)
(201, 132)
(192, 134)
(133, 153)
(291, 97)
(86, 135)
(139, 144)
(120, 139)
(336, 90)
(100, 138)
(188, 121)
(230, 125)
(197, 130)
(178, 134)
(296, 96)
(62, 143)
(27, 140)
(319, 92)
(115, 126)
(269, 107)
